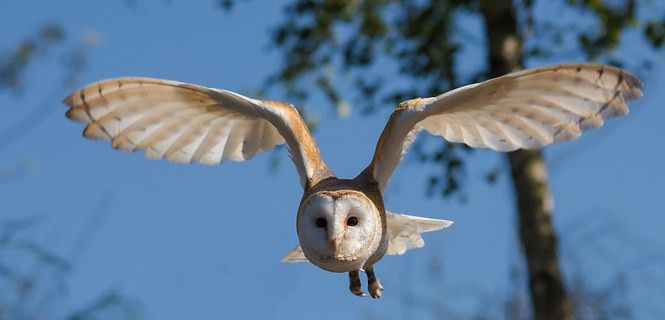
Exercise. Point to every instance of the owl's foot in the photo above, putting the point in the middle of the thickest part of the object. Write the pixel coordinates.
(354, 284)
(373, 284)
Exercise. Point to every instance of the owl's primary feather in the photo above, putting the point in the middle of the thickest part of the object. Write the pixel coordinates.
(522, 110)
(189, 123)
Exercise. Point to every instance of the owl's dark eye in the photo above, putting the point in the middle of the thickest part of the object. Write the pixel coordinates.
(321, 223)
(352, 221)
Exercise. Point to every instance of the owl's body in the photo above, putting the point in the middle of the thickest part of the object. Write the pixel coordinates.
(342, 224)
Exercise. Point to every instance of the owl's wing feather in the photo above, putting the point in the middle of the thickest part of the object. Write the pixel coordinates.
(295, 255)
(521, 110)
(190, 123)
(405, 232)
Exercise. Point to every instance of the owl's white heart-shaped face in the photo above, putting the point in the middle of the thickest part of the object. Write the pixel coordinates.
(339, 232)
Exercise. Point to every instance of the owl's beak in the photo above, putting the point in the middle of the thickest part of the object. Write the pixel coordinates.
(335, 236)
(335, 241)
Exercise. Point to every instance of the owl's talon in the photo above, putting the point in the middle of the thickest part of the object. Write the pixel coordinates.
(373, 284)
(359, 293)
(354, 284)
(375, 288)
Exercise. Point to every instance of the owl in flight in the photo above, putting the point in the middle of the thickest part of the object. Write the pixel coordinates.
(342, 224)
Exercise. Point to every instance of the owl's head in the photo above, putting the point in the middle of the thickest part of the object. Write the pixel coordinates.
(339, 230)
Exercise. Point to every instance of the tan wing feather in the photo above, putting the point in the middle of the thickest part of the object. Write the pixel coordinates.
(295, 255)
(405, 231)
(189, 123)
(526, 109)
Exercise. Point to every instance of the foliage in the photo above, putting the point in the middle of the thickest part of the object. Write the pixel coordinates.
(428, 42)
(13, 62)
(14, 65)
(33, 277)
(319, 37)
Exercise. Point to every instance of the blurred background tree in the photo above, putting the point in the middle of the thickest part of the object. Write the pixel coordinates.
(33, 277)
(434, 51)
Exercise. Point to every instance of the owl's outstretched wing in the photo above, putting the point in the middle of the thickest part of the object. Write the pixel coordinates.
(190, 123)
(526, 109)
(404, 233)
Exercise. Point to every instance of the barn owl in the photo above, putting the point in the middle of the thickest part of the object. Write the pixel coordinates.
(342, 224)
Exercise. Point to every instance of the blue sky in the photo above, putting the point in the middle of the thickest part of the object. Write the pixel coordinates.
(204, 242)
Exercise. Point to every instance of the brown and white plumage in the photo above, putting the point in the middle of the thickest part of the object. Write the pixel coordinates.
(342, 224)
(521, 110)
(189, 123)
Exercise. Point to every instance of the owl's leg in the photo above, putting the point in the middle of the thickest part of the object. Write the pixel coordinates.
(373, 284)
(354, 284)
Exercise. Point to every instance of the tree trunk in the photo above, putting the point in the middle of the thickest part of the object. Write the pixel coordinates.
(529, 172)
